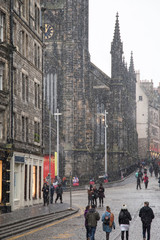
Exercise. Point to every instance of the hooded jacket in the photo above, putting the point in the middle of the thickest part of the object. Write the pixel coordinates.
(92, 217)
(146, 214)
(124, 217)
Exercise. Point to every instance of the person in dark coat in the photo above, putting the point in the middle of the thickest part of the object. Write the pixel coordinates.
(86, 222)
(92, 217)
(124, 221)
(52, 192)
(101, 194)
(145, 179)
(138, 182)
(59, 192)
(146, 214)
(45, 191)
(94, 195)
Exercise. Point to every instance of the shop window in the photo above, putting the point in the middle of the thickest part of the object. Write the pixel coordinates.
(34, 186)
(40, 181)
(0, 181)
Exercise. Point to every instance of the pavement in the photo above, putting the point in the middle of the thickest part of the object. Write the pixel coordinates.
(34, 211)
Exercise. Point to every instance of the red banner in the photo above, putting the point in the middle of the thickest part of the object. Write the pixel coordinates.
(46, 167)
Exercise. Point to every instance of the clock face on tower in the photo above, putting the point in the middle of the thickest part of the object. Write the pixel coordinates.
(48, 31)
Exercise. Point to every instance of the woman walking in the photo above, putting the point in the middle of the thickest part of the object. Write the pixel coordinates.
(108, 222)
(145, 179)
(124, 219)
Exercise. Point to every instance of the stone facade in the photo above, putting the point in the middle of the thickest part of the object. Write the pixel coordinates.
(22, 131)
(84, 92)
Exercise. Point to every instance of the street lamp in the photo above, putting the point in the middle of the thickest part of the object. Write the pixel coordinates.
(57, 114)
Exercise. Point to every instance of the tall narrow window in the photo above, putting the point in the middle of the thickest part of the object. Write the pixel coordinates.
(26, 129)
(23, 43)
(23, 86)
(25, 183)
(27, 46)
(38, 58)
(0, 181)
(40, 180)
(14, 126)
(15, 81)
(38, 97)
(35, 55)
(35, 94)
(35, 17)
(1, 27)
(34, 186)
(1, 75)
(23, 129)
(27, 88)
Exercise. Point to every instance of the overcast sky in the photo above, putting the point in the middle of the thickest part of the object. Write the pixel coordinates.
(140, 32)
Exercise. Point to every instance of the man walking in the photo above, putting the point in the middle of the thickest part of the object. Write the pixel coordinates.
(146, 214)
(92, 217)
(59, 191)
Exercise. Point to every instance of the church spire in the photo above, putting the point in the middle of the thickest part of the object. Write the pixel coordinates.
(131, 67)
(117, 44)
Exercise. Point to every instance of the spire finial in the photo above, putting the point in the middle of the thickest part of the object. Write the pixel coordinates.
(131, 67)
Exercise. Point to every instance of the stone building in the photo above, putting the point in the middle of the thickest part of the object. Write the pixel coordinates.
(82, 93)
(148, 115)
(21, 104)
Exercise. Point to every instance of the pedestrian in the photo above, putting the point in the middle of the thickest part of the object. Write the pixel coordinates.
(108, 222)
(159, 182)
(95, 195)
(145, 179)
(90, 192)
(45, 191)
(59, 192)
(124, 221)
(52, 192)
(101, 194)
(86, 222)
(92, 218)
(140, 175)
(138, 182)
(146, 214)
(151, 169)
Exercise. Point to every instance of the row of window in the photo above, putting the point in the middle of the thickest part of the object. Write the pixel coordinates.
(25, 129)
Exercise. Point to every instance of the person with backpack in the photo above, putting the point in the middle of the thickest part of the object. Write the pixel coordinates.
(92, 217)
(108, 222)
(86, 222)
(146, 214)
(124, 221)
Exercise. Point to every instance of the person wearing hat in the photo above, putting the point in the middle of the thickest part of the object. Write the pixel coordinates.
(124, 221)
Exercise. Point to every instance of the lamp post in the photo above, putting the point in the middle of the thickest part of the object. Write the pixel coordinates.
(57, 114)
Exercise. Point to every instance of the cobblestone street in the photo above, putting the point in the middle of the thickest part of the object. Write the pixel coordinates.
(73, 227)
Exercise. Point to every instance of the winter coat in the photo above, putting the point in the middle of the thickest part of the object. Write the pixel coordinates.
(124, 217)
(92, 217)
(101, 192)
(145, 179)
(45, 191)
(106, 227)
(59, 190)
(85, 213)
(146, 214)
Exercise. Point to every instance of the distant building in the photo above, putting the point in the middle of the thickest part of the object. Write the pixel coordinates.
(21, 161)
(148, 114)
(82, 93)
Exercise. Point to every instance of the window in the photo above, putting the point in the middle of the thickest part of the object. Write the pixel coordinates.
(14, 125)
(14, 34)
(38, 58)
(27, 46)
(34, 186)
(23, 129)
(15, 81)
(140, 98)
(36, 132)
(29, 182)
(37, 18)
(22, 43)
(1, 75)
(25, 87)
(1, 27)
(0, 181)
(35, 55)
(37, 95)
(40, 181)
(26, 129)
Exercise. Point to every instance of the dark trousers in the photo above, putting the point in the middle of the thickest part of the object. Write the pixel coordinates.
(146, 228)
(146, 185)
(138, 185)
(87, 232)
(107, 235)
(100, 200)
(122, 235)
(59, 196)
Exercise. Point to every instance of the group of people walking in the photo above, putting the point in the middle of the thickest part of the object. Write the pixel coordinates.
(92, 217)
(45, 190)
(94, 194)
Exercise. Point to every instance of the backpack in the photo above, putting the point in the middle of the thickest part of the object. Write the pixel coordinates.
(111, 220)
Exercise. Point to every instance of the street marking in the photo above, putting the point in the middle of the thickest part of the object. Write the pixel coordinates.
(49, 225)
